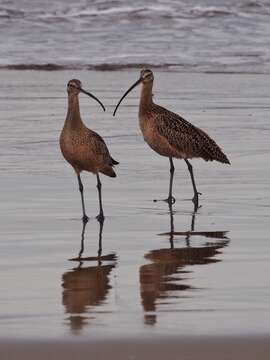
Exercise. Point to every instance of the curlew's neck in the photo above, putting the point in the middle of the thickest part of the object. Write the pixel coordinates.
(146, 97)
(73, 118)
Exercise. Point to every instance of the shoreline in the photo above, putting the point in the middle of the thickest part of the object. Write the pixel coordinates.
(112, 67)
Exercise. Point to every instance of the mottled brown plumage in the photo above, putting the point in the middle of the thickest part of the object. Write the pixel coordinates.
(172, 136)
(83, 148)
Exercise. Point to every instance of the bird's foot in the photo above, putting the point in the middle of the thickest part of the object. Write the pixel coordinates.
(170, 200)
(100, 217)
(85, 219)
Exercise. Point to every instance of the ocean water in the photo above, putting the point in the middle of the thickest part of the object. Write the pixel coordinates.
(187, 35)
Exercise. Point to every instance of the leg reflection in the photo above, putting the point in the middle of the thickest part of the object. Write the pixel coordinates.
(172, 225)
(85, 288)
(82, 240)
(165, 278)
(99, 256)
(172, 233)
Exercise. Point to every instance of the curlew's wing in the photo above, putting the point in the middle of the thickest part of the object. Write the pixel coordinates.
(100, 148)
(187, 138)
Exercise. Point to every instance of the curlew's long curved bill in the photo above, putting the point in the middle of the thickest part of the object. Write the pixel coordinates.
(125, 94)
(92, 96)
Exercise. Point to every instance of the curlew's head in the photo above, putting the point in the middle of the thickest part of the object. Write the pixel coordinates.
(146, 77)
(74, 87)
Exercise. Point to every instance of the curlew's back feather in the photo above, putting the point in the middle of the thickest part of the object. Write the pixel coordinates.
(185, 137)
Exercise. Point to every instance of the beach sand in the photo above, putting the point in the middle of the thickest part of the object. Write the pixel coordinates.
(206, 297)
(159, 349)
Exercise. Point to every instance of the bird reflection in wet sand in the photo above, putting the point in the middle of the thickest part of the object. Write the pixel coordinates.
(165, 277)
(86, 287)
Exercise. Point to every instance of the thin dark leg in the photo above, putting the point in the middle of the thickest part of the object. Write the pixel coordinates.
(170, 199)
(85, 218)
(196, 193)
(100, 216)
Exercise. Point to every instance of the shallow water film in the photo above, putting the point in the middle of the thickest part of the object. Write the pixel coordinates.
(150, 270)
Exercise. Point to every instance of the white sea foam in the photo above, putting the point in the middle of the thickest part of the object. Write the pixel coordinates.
(178, 33)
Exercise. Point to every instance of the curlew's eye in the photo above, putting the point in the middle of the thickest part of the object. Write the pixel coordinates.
(147, 74)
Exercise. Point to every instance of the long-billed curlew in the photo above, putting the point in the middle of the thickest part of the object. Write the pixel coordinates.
(172, 136)
(83, 148)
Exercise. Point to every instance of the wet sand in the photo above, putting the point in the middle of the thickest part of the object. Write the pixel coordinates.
(210, 279)
(186, 348)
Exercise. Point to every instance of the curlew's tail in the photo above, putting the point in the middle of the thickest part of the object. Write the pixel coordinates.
(223, 159)
(214, 153)
(114, 162)
(210, 150)
(108, 170)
